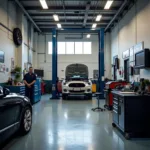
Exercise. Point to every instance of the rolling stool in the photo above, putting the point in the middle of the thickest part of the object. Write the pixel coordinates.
(98, 99)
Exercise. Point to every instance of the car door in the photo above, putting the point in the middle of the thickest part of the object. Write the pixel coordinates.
(7, 117)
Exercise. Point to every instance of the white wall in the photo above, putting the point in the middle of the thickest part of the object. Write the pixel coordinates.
(132, 29)
(64, 60)
(8, 18)
(11, 16)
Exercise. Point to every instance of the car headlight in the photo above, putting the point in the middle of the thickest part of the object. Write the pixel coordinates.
(89, 83)
(64, 83)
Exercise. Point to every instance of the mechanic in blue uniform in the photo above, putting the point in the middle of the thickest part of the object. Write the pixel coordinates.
(29, 80)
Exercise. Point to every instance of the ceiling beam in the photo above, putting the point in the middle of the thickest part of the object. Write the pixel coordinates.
(117, 14)
(69, 26)
(52, 11)
(70, 23)
(86, 13)
(68, 18)
(65, 0)
(26, 13)
(68, 15)
(75, 8)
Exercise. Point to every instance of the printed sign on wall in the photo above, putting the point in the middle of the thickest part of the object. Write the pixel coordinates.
(12, 64)
(126, 54)
(132, 54)
(138, 47)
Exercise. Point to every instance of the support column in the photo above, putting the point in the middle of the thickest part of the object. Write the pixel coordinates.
(54, 63)
(101, 61)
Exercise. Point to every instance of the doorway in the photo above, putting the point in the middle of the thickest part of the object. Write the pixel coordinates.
(126, 69)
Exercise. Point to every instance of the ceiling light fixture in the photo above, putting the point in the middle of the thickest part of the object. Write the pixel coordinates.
(58, 25)
(56, 18)
(44, 4)
(94, 26)
(108, 4)
(98, 18)
(88, 36)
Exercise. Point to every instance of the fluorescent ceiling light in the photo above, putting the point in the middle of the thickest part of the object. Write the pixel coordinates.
(108, 4)
(98, 18)
(94, 25)
(44, 4)
(88, 36)
(59, 25)
(56, 17)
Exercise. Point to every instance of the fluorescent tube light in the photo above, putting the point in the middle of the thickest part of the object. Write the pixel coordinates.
(94, 25)
(56, 17)
(88, 36)
(59, 25)
(98, 18)
(44, 4)
(108, 4)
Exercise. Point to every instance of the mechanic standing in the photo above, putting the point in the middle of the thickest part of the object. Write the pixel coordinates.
(29, 80)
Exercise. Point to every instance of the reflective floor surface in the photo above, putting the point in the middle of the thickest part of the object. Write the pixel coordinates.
(71, 125)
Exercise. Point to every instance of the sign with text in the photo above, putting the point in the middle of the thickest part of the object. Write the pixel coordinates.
(138, 47)
(132, 54)
(126, 54)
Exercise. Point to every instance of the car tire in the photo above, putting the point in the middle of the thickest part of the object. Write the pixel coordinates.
(26, 121)
(64, 97)
(90, 97)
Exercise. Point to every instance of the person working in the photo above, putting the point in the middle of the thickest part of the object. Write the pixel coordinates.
(29, 80)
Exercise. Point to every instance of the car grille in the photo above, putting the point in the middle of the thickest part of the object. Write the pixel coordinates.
(76, 91)
(76, 85)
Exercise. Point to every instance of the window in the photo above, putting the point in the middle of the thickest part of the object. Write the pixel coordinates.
(69, 47)
(87, 48)
(61, 48)
(78, 47)
(72, 48)
(49, 47)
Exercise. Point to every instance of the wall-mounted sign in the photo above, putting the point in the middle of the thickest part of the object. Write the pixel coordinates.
(138, 47)
(12, 64)
(1, 57)
(132, 54)
(126, 54)
(2, 68)
(95, 74)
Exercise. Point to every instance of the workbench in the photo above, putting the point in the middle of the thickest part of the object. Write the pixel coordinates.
(131, 114)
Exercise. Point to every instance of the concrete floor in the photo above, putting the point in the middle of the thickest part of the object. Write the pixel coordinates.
(71, 125)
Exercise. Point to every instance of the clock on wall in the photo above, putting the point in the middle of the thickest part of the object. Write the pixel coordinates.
(17, 36)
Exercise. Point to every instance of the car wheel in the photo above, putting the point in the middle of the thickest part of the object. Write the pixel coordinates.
(90, 97)
(64, 97)
(26, 122)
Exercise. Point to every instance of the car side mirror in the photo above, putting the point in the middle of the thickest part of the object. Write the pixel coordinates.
(6, 91)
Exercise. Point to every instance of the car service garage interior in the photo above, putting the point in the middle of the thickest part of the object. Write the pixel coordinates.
(74, 75)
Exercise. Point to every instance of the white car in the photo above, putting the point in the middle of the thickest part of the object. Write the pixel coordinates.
(77, 82)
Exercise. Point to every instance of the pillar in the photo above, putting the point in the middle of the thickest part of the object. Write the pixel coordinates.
(54, 63)
(101, 61)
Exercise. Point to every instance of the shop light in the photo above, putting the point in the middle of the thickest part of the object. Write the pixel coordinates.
(108, 4)
(88, 36)
(56, 18)
(44, 4)
(94, 26)
(58, 25)
(98, 18)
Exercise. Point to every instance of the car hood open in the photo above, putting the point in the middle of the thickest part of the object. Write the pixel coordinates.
(76, 71)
